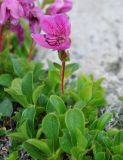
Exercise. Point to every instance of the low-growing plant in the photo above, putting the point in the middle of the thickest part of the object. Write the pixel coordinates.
(49, 126)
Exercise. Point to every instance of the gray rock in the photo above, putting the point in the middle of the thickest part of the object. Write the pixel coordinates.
(97, 43)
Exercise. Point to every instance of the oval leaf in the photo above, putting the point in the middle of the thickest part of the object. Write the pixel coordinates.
(74, 120)
(56, 104)
(50, 126)
(27, 86)
(6, 108)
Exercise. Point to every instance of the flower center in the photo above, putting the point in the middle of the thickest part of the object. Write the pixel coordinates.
(54, 41)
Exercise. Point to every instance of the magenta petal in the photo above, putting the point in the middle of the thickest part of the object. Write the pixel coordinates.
(60, 6)
(34, 18)
(55, 7)
(65, 45)
(66, 7)
(40, 39)
(2, 13)
(14, 7)
(56, 25)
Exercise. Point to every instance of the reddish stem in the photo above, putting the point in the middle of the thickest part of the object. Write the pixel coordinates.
(62, 77)
(31, 50)
(1, 39)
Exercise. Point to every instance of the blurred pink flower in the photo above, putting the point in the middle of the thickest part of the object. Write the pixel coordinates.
(32, 14)
(34, 19)
(27, 5)
(57, 31)
(10, 10)
(60, 6)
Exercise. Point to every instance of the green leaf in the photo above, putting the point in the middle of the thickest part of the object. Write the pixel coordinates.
(36, 94)
(77, 153)
(101, 122)
(118, 149)
(33, 151)
(5, 80)
(118, 138)
(100, 156)
(51, 126)
(13, 156)
(86, 93)
(53, 75)
(38, 72)
(21, 66)
(117, 157)
(65, 141)
(70, 69)
(80, 104)
(55, 104)
(6, 108)
(74, 119)
(112, 131)
(16, 92)
(62, 120)
(82, 81)
(23, 129)
(81, 140)
(21, 133)
(27, 86)
(29, 115)
(42, 146)
(98, 147)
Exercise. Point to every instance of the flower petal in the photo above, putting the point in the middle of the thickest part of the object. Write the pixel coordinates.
(66, 7)
(55, 7)
(56, 25)
(2, 13)
(60, 6)
(15, 8)
(52, 43)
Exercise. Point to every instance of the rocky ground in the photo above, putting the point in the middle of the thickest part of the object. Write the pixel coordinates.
(97, 43)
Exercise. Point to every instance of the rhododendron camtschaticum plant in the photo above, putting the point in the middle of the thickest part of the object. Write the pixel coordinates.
(56, 25)
(57, 30)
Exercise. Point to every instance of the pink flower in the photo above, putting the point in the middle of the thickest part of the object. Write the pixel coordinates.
(32, 14)
(60, 6)
(34, 19)
(27, 5)
(57, 32)
(10, 9)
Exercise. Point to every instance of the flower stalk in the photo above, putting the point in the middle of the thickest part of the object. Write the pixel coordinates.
(63, 56)
(62, 77)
